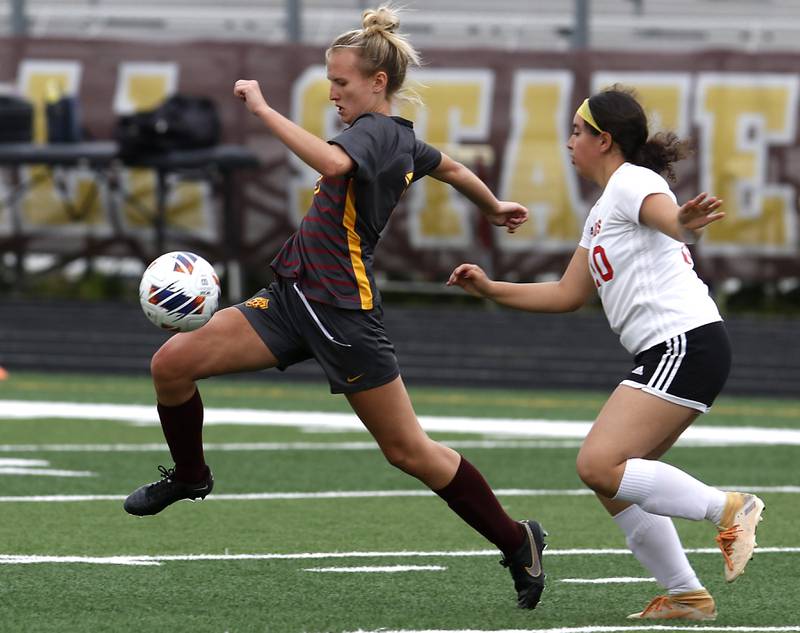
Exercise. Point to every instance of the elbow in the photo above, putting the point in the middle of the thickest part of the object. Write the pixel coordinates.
(571, 301)
(573, 306)
(453, 174)
(335, 166)
(333, 169)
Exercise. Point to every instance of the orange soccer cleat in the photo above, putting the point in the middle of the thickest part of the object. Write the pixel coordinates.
(691, 605)
(737, 532)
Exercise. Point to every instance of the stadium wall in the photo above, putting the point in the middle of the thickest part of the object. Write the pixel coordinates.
(507, 114)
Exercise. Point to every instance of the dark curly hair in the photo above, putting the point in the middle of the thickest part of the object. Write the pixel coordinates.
(617, 111)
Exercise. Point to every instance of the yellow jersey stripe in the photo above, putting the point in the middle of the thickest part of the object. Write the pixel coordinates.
(354, 245)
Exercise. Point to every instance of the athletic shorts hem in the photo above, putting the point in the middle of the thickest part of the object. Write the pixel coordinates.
(365, 386)
(265, 335)
(684, 402)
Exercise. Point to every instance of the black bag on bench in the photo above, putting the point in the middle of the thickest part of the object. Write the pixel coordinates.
(181, 122)
(16, 120)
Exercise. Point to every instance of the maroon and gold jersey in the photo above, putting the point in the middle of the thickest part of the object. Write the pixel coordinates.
(330, 256)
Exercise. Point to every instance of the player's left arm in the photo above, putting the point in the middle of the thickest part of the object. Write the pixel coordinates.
(684, 223)
(327, 159)
(462, 179)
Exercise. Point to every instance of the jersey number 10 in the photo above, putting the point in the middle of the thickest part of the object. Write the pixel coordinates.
(599, 266)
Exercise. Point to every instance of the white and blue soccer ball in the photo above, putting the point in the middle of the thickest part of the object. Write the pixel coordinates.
(179, 291)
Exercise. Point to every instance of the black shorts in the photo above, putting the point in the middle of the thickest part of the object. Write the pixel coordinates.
(350, 345)
(689, 369)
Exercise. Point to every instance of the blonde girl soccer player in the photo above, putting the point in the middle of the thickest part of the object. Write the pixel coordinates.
(324, 302)
(633, 254)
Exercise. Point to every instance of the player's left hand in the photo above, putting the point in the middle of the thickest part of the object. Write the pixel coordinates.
(509, 214)
(699, 212)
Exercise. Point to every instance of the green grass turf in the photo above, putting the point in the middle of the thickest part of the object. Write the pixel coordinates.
(279, 596)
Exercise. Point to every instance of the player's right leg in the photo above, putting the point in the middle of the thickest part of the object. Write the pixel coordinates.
(617, 461)
(226, 344)
(389, 416)
(654, 542)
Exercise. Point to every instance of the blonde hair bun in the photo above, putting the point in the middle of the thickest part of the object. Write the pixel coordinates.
(382, 19)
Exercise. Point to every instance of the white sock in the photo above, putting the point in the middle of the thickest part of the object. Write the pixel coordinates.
(656, 545)
(663, 489)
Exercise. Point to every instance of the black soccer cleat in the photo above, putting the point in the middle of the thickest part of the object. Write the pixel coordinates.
(153, 498)
(525, 566)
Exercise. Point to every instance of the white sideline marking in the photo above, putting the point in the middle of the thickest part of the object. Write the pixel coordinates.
(19, 559)
(602, 629)
(147, 416)
(363, 494)
(605, 581)
(9, 466)
(46, 472)
(273, 446)
(389, 569)
(11, 559)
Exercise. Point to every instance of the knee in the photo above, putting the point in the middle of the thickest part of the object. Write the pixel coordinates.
(169, 364)
(596, 472)
(403, 457)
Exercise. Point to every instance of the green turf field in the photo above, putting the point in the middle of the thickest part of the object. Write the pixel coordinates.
(310, 531)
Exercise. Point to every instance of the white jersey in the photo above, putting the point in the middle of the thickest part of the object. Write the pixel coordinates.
(645, 279)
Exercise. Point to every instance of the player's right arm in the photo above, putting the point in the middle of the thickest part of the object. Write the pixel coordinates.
(328, 160)
(565, 295)
(462, 179)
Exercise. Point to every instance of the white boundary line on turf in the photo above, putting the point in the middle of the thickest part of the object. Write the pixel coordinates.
(37, 467)
(386, 569)
(272, 446)
(605, 581)
(147, 416)
(363, 494)
(603, 629)
(28, 559)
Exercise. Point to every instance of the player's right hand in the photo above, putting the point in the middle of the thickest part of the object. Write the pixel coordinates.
(472, 279)
(249, 91)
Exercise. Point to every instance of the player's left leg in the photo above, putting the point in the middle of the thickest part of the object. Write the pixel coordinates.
(613, 461)
(389, 416)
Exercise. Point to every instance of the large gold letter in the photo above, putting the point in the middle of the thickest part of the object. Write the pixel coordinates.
(457, 110)
(664, 97)
(740, 116)
(536, 170)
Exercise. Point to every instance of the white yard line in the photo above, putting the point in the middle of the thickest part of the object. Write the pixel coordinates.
(605, 581)
(45, 472)
(360, 494)
(387, 569)
(37, 467)
(272, 446)
(563, 429)
(603, 629)
(22, 559)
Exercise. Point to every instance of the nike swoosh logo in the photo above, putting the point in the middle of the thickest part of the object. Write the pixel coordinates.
(535, 570)
(354, 378)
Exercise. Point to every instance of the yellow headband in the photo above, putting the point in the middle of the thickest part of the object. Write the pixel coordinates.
(586, 114)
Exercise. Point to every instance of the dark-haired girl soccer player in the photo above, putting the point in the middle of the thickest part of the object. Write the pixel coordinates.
(633, 253)
(325, 304)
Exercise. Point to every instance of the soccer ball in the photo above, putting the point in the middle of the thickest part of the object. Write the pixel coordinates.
(179, 291)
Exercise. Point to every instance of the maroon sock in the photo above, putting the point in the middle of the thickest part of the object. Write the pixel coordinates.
(471, 498)
(183, 430)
